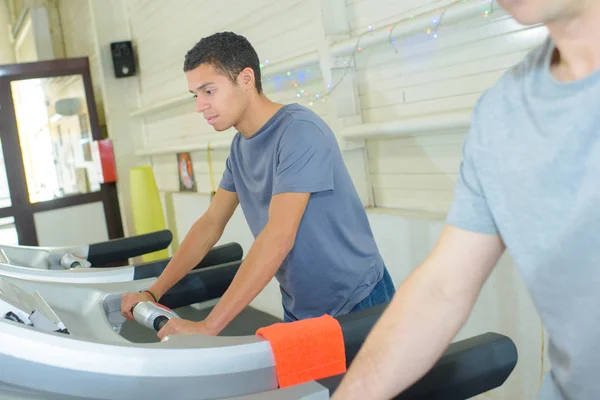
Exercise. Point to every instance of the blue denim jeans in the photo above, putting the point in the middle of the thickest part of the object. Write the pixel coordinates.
(381, 293)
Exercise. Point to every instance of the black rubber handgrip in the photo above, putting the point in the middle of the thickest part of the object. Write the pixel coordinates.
(469, 367)
(201, 285)
(356, 326)
(101, 254)
(159, 322)
(222, 254)
(218, 255)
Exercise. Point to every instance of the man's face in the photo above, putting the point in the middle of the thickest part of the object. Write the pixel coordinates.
(220, 101)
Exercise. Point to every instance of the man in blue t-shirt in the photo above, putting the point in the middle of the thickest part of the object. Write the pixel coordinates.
(286, 171)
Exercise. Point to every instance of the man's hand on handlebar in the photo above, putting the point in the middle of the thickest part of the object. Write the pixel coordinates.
(131, 299)
(177, 326)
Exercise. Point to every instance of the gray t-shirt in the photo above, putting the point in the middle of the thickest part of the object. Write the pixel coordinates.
(335, 262)
(531, 172)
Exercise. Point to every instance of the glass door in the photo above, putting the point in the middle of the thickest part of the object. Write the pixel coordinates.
(53, 188)
(55, 138)
(8, 230)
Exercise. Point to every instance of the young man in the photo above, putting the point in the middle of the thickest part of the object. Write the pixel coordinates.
(286, 170)
(530, 181)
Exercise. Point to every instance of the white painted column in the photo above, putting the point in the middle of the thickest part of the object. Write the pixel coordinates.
(344, 101)
(7, 51)
(110, 23)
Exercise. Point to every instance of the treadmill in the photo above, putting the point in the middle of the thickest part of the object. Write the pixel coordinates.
(66, 341)
(100, 262)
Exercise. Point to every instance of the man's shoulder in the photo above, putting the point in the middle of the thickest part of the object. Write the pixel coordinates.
(302, 123)
(299, 115)
(513, 79)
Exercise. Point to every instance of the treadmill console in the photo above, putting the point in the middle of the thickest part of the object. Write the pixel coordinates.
(18, 305)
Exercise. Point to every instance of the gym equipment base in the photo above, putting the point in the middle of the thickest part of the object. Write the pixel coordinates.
(94, 361)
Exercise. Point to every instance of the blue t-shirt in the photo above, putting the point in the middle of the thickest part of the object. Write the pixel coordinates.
(531, 173)
(335, 262)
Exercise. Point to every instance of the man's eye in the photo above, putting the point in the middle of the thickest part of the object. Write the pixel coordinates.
(209, 92)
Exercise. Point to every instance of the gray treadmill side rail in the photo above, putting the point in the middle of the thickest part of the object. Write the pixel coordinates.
(48, 380)
(96, 362)
(41, 257)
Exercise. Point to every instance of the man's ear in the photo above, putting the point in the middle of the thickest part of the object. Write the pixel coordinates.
(246, 78)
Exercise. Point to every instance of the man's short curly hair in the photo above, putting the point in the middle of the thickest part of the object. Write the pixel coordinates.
(227, 52)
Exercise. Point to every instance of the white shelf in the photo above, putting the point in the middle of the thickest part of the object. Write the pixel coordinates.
(163, 105)
(451, 14)
(219, 144)
(421, 125)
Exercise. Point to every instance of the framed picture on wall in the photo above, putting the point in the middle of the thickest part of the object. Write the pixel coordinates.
(187, 181)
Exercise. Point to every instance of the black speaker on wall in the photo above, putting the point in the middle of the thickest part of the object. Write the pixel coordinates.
(123, 59)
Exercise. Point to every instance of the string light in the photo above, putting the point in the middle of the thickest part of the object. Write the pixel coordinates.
(300, 75)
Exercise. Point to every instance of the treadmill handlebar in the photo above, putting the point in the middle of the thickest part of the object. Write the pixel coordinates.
(159, 322)
(467, 368)
(218, 255)
(103, 253)
(152, 315)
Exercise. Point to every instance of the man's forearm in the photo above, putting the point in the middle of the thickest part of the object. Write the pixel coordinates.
(203, 235)
(262, 262)
(411, 335)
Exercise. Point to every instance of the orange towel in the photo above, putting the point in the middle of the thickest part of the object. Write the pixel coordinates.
(306, 350)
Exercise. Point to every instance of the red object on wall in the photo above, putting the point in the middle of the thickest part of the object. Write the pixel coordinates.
(107, 160)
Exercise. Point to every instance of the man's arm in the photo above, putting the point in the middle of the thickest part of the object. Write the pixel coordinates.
(267, 253)
(424, 316)
(202, 237)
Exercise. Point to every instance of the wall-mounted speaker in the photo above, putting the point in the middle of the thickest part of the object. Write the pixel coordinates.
(123, 59)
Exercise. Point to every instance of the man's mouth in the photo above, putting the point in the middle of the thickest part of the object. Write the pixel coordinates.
(211, 120)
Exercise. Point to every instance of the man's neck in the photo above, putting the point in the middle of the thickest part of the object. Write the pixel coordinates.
(260, 111)
(576, 38)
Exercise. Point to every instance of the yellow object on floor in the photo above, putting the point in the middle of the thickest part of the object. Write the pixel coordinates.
(146, 206)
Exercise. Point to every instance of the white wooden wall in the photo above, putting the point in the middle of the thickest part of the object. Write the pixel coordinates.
(7, 51)
(416, 75)
(425, 75)
(76, 22)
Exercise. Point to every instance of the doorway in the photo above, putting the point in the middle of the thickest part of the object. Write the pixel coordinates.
(51, 187)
